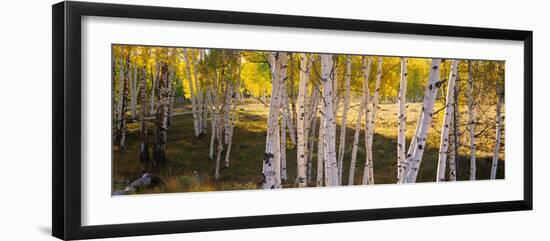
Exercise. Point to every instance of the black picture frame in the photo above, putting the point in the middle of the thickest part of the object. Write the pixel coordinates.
(66, 127)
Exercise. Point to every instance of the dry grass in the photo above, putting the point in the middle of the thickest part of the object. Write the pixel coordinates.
(189, 168)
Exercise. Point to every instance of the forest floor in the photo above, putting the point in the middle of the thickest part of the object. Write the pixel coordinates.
(189, 168)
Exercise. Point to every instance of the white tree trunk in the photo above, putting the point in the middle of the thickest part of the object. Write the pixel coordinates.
(124, 103)
(496, 151)
(204, 97)
(329, 120)
(453, 158)
(452, 150)
(471, 123)
(321, 148)
(154, 78)
(314, 102)
(199, 99)
(402, 119)
(342, 144)
(367, 110)
(426, 116)
(312, 126)
(283, 150)
(219, 137)
(191, 92)
(403, 177)
(285, 119)
(226, 111)
(159, 150)
(302, 132)
(120, 101)
(133, 90)
(232, 117)
(287, 116)
(277, 156)
(143, 146)
(270, 179)
(449, 111)
(366, 63)
(369, 163)
(214, 121)
(171, 73)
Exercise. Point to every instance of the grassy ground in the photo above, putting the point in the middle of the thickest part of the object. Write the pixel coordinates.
(189, 168)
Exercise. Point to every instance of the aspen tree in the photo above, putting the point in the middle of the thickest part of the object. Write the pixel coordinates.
(368, 178)
(402, 119)
(161, 123)
(365, 68)
(331, 164)
(302, 133)
(449, 110)
(191, 92)
(269, 173)
(471, 122)
(154, 86)
(144, 145)
(496, 150)
(414, 156)
(342, 143)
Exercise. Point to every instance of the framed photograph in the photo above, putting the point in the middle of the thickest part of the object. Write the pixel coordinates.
(171, 120)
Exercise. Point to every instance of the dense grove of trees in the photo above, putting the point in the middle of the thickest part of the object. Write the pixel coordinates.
(312, 100)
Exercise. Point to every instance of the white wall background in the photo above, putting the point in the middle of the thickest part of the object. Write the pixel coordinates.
(25, 119)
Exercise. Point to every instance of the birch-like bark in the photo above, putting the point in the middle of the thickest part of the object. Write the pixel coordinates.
(154, 84)
(191, 93)
(159, 150)
(130, 82)
(219, 137)
(277, 155)
(114, 105)
(135, 86)
(214, 121)
(280, 153)
(452, 149)
(496, 151)
(293, 112)
(133, 92)
(403, 177)
(287, 116)
(170, 95)
(368, 178)
(402, 119)
(285, 109)
(270, 179)
(471, 123)
(342, 143)
(199, 100)
(430, 95)
(329, 120)
(285, 121)
(227, 110)
(283, 151)
(120, 101)
(321, 147)
(453, 159)
(449, 111)
(124, 105)
(302, 133)
(313, 128)
(367, 110)
(365, 68)
(144, 145)
(230, 141)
